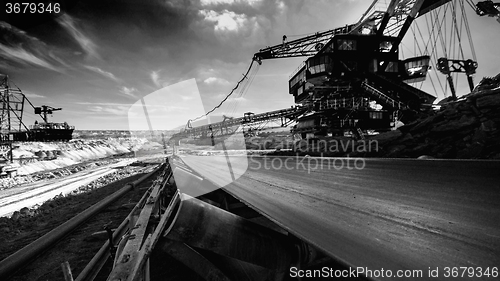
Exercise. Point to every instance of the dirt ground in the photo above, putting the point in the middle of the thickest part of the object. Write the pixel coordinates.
(78, 247)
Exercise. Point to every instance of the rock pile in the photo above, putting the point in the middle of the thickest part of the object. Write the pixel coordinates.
(465, 129)
(468, 128)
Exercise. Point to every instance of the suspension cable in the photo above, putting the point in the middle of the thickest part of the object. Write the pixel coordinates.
(471, 4)
(426, 52)
(225, 98)
(442, 38)
(457, 31)
(435, 35)
(245, 88)
(467, 29)
(230, 109)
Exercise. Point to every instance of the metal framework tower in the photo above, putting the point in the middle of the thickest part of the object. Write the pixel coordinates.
(11, 114)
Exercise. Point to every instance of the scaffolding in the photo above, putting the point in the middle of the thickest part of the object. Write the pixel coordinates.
(11, 114)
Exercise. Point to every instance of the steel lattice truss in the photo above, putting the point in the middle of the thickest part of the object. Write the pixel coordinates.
(229, 126)
(11, 110)
(389, 18)
(306, 46)
(11, 113)
(383, 18)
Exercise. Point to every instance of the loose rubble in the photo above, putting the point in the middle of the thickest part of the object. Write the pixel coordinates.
(463, 129)
(468, 128)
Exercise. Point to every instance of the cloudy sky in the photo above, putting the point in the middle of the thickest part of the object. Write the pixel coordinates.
(97, 58)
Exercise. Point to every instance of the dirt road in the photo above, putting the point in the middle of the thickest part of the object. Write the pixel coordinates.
(28, 195)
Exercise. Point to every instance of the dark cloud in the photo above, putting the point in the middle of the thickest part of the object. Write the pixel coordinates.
(114, 51)
(175, 35)
(18, 48)
(155, 18)
(41, 25)
(151, 30)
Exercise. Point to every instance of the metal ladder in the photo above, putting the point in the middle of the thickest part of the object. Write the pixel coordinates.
(382, 97)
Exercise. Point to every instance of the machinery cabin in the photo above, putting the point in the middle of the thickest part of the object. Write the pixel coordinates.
(352, 72)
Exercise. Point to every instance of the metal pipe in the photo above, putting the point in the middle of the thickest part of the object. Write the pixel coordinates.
(97, 262)
(192, 259)
(19, 258)
(94, 266)
(68, 276)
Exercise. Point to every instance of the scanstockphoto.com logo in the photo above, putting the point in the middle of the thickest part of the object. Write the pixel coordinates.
(166, 111)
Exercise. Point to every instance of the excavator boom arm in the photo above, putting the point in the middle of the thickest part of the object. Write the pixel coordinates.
(305, 46)
(391, 19)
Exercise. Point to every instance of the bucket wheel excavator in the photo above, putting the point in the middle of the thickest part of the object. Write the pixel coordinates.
(355, 78)
(350, 68)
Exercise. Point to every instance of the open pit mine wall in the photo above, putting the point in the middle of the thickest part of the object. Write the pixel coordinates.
(31, 157)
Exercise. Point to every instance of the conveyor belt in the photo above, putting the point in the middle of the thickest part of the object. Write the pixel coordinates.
(395, 214)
